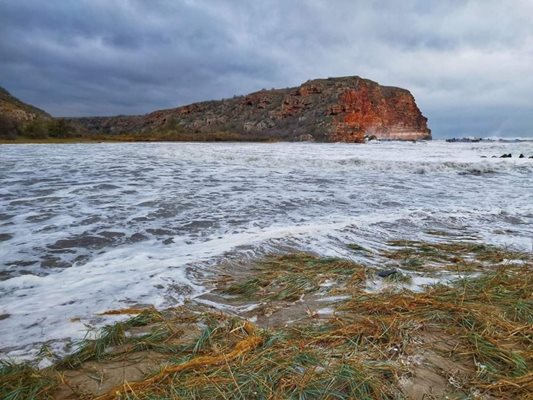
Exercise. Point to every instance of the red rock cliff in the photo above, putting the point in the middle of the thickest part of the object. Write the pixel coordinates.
(373, 110)
(335, 109)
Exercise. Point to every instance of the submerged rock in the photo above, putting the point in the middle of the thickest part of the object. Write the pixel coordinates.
(388, 272)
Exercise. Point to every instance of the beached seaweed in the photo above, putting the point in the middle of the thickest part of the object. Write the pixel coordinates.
(357, 248)
(473, 335)
(455, 255)
(109, 336)
(291, 276)
(25, 382)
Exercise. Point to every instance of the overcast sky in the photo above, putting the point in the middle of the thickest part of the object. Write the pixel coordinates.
(469, 64)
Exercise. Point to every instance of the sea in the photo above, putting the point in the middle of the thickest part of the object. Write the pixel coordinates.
(86, 228)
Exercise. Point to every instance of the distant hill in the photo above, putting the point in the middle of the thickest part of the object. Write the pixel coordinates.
(13, 108)
(347, 109)
(15, 113)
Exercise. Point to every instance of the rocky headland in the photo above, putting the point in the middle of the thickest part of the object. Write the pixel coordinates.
(347, 109)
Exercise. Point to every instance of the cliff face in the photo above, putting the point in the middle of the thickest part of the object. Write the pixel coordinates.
(330, 110)
(334, 109)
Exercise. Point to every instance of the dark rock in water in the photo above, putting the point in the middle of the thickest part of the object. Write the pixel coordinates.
(159, 232)
(137, 237)
(387, 272)
(111, 234)
(530, 156)
(494, 157)
(50, 261)
(509, 155)
(464, 140)
(521, 156)
(84, 240)
(483, 156)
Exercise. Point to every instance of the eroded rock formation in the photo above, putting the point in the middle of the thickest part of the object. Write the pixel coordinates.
(347, 109)
(335, 109)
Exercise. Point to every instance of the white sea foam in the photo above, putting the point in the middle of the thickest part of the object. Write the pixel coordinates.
(89, 227)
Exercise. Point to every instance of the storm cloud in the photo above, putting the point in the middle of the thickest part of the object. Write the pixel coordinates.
(468, 63)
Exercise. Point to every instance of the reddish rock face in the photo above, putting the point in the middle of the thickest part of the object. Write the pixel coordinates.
(332, 110)
(372, 110)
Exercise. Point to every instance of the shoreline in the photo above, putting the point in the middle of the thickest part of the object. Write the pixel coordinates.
(122, 140)
(133, 139)
(163, 140)
(315, 320)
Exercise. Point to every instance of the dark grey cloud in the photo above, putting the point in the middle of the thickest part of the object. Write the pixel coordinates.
(468, 63)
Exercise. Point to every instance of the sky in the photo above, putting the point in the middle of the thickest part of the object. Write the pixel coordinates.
(469, 64)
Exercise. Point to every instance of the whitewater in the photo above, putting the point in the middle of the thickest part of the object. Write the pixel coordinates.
(86, 228)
